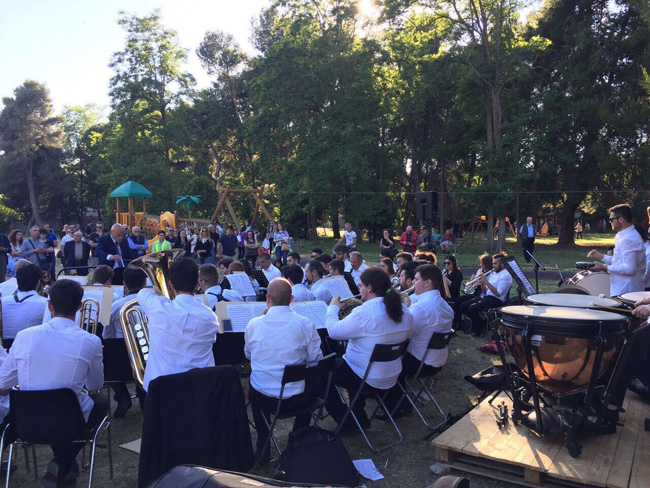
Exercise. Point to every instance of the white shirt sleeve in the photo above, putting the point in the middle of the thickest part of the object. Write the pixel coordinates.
(95, 378)
(626, 260)
(349, 328)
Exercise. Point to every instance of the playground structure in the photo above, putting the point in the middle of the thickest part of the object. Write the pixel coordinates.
(151, 224)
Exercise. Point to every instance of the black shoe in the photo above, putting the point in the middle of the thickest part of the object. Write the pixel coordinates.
(122, 408)
(3, 470)
(73, 472)
(350, 428)
(401, 412)
(637, 386)
(477, 334)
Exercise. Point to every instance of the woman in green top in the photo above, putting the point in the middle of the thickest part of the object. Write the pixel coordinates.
(161, 244)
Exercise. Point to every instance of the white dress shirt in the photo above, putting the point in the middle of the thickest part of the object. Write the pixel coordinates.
(113, 330)
(356, 273)
(627, 266)
(348, 265)
(272, 272)
(320, 291)
(301, 293)
(57, 354)
(212, 294)
(274, 340)
(9, 287)
(20, 311)
(4, 399)
(181, 334)
(366, 326)
(646, 275)
(430, 314)
(502, 281)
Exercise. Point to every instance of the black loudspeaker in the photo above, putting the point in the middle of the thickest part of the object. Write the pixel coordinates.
(426, 205)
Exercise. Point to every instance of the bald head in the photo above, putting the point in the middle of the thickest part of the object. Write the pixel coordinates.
(117, 232)
(20, 263)
(278, 292)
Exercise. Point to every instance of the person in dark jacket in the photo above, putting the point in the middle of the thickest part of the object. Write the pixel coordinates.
(76, 253)
(113, 250)
(454, 275)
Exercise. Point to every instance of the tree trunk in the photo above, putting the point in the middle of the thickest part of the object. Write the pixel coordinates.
(567, 236)
(312, 221)
(489, 247)
(502, 234)
(335, 222)
(33, 197)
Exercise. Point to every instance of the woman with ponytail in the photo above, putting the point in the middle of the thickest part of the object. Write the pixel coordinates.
(381, 319)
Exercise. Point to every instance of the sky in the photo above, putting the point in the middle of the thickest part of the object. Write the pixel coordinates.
(67, 44)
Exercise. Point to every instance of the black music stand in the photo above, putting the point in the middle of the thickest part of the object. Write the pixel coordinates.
(259, 275)
(523, 284)
(537, 266)
(350, 280)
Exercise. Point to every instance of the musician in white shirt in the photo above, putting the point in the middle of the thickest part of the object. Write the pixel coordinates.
(181, 331)
(269, 270)
(495, 288)
(315, 273)
(134, 280)
(213, 291)
(280, 337)
(299, 291)
(627, 266)
(342, 253)
(358, 266)
(26, 308)
(59, 354)
(382, 319)
(293, 258)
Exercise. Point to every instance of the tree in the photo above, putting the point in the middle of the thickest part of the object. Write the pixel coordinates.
(31, 140)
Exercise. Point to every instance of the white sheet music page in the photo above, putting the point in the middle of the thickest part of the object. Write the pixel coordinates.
(337, 287)
(514, 265)
(241, 282)
(314, 311)
(239, 316)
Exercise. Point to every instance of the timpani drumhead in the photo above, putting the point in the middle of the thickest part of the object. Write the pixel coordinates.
(570, 300)
(635, 296)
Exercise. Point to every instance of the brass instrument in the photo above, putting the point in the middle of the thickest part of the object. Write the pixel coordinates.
(350, 304)
(406, 295)
(134, 323)
(89, 315)
(472, 284)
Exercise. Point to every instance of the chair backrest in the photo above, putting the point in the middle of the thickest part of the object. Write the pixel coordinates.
(439, 340)
(304, 371)
(383, 353)
(47, 416)
(116, 361)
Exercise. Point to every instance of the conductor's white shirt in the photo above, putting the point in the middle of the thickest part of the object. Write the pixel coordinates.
(320, 291)
(301, 293)
(20, 311)
(627, 266)
(57, 354)
(502, 281)
(274, 340)
(366, 326)
(430, 314)
(272, 272)
(181, 334)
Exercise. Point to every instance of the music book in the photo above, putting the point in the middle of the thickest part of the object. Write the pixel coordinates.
(241, 282)
(337, 286)
(518, 275)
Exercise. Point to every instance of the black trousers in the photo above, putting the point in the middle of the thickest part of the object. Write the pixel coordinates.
(635, 365)
(121, 393)
(262, 406)
(65, 454)
(344, 377)
(474, 309)
(529, 245)
(466, 301)
(410, 365)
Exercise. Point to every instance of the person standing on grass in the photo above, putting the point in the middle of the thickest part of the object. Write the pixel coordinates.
(527, 232)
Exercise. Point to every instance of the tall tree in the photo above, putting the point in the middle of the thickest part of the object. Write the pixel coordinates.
(31, 139)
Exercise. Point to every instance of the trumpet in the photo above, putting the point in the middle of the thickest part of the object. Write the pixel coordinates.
(406, 295)
(89, 315)
(472, 284)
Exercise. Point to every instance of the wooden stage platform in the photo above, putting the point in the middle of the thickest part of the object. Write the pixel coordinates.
(475, 444)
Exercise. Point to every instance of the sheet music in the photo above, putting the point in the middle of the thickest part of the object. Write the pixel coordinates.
(241, 282)
(337, 286)
(82, 280)
(314, 311)
(519, 273)
(240, 315)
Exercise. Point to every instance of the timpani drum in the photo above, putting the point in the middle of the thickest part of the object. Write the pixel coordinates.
(635, 296)
(562, 343)
(571, 300)
(587, 283)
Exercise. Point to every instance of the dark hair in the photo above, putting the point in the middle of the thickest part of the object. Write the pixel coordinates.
(407, 256)
(389, 263)
(293, 273)
(431, 272)
(294, 255)
(338, 265)
(43, 232)
(426, 256)
(317, 266)
(386, 252)
(622, 210)
(65, 297)
(452, 258)
(102, 274)
(381, 286)
(225, 262)
(236, 266)
(248, 269)
(28, 277)
(209, 273)
(161, 232)
(324, 258)
(341, 248)
(486, 260)
(264, 256)
(317, 250)
(500, 256)
(134, 278)
(12, 236)
(408, 269)
(184, 274)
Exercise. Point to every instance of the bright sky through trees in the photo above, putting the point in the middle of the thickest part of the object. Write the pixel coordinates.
(67, 45)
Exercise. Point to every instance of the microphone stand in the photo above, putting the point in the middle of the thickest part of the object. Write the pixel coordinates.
(537, 266)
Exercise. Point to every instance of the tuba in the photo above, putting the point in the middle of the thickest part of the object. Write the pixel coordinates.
(134, 323)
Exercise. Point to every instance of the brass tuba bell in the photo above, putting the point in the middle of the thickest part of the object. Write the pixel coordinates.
(134, 323)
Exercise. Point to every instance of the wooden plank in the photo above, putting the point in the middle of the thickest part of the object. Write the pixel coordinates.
(464, 430)
(533, 476)
(217, 210)
(263, 207)
(232, 214)
(619, 474)
(640, 475)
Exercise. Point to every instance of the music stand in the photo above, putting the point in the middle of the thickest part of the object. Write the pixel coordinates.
(350, 281)
(537, 266)
(523, 284)
(259, 275)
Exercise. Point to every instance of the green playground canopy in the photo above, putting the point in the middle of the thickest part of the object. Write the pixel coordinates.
(131, 189)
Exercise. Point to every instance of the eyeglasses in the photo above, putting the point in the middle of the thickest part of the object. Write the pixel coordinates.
(448, 262)
(613, 218)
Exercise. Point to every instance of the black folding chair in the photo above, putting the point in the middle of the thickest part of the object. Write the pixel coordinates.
(382, 353)
(117, 368)
(438, 341)
(292, 374)
(52, 417)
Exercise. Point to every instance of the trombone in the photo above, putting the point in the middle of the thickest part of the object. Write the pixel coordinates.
(89, 315)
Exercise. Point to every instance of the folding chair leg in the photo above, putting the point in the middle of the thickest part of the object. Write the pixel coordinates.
(34, 458)
(270, 437)
(110, 450)
(26, 452)
(11, 452)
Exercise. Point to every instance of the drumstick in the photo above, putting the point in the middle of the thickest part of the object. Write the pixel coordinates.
(611, 309)
(623, 301)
